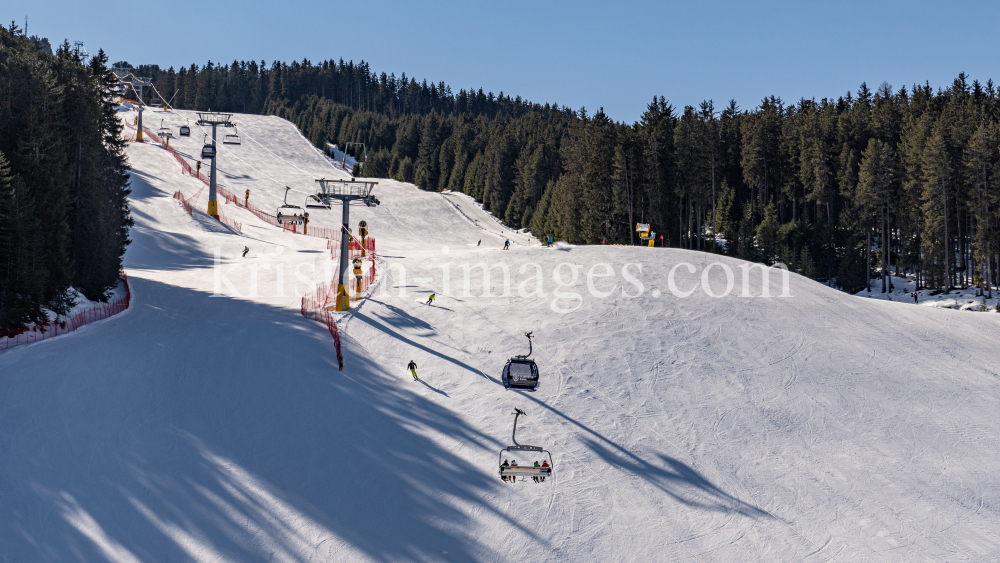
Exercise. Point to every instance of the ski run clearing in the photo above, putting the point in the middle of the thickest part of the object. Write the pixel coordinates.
(209, 422)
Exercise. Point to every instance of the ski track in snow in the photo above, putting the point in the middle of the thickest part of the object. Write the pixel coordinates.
(819, 427)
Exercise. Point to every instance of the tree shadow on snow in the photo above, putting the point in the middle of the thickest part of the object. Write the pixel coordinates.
(174, 433)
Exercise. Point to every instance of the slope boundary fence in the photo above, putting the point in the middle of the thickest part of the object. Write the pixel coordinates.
(186, 169)
(231, 198)
(315, 306)
(43, 331)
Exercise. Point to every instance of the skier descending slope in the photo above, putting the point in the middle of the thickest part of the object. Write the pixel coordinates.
(430, 300)
(412, 366)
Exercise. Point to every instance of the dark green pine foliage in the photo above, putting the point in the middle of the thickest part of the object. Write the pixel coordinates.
(778, 182)
(64, 216)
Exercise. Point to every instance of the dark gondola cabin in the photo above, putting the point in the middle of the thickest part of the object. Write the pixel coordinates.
(208, 151)
(521, 372)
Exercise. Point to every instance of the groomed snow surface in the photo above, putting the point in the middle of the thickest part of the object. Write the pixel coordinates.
(192, 427)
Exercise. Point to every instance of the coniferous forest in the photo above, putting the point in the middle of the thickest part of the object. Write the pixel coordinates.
(840, 189)
(64, 214)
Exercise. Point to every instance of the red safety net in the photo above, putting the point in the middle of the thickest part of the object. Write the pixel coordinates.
(231, 198)
(186, 169)
(353, 250)
(42, 331)
(314, 307)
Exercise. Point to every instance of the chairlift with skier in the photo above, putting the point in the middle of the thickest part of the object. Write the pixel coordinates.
(509, 469)
(163, 131)
(521, 372)
(289, 213)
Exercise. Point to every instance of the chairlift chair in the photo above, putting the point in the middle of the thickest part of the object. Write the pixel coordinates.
(521, 372)
(208, 151)
(185, 131)
(163, 131)
(289, 213)
(508, 470)
(233, 139)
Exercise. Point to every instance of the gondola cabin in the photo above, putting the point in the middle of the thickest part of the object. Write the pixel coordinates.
(208, 151)
(520, 374)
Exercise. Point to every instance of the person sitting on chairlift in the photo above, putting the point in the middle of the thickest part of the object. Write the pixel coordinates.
(545, 465)
(536, 467)
(503, 466)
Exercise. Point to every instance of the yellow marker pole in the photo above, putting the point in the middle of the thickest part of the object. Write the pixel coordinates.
(363, 232)
(138, 126)
(305, 223)
(358, 275)
(199, 169)
(246, 200)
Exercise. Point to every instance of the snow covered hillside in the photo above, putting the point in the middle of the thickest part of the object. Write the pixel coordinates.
(209, 422)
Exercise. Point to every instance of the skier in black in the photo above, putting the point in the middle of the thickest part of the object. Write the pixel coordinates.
(412, 366)
(914, 296)
(480, 242)
(245, 250)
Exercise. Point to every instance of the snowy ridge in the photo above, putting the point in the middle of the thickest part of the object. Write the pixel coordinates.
(813, 427)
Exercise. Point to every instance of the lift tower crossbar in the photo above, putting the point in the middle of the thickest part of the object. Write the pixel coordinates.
(346, 191)
(214, 119)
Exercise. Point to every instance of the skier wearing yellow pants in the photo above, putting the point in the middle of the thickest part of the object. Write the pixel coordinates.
(413, 369)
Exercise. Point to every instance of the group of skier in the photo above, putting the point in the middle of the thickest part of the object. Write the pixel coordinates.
(513, 463)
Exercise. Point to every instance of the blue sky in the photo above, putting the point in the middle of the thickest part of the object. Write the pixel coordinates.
(616, 55)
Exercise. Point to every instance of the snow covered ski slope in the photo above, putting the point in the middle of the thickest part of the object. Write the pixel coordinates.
(812, 427)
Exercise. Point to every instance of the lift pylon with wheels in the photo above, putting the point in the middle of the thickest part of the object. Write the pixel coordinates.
(345, 191)
(214, 119)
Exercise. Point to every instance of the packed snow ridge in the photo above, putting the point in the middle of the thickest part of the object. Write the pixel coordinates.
(690, 416)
